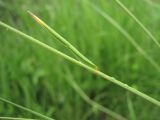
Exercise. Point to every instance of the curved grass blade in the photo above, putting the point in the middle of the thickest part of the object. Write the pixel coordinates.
(138, 22)
(62, 40)
(15, 118)
(95, 71)
(25, 109)
(128, 36)
(94, 104)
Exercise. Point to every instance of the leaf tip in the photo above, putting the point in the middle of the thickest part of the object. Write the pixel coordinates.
(36, 18)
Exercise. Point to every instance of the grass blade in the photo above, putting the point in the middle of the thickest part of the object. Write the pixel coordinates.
(15, 118)
(26, 109)
(123, 31)
(95, 71)
(138, 22)
(62, 40)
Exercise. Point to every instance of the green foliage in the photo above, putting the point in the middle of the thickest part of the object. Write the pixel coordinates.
(35, 78)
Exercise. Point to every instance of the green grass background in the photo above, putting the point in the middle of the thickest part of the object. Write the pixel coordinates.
(33, 77)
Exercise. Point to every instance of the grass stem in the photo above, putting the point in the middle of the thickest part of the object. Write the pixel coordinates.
(15, 118)
(95, 71)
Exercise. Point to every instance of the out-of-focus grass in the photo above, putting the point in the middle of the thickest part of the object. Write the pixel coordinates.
(35, 78)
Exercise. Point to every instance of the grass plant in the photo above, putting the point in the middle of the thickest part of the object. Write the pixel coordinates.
(38, 78)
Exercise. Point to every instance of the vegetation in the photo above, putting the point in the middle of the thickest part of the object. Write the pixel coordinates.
(122, 41)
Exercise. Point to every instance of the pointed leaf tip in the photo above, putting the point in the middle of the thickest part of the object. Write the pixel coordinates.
(37, 19)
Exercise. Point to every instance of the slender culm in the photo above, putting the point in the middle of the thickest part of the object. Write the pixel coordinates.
(93, 70)
(15, 118)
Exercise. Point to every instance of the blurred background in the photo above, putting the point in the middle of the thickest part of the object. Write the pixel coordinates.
(38, 79)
